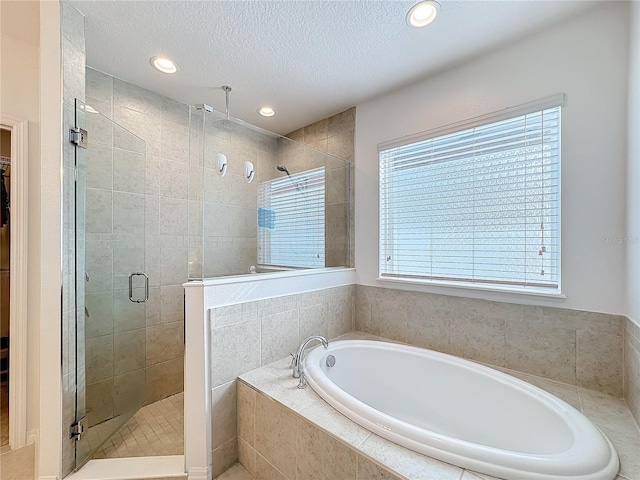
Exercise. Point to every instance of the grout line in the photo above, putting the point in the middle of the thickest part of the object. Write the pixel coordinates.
(273, 466)
(364, 439)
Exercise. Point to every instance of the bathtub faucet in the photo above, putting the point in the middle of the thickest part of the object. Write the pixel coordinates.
(296, 361)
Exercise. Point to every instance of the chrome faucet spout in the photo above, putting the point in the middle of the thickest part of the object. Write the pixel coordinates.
(296, 361)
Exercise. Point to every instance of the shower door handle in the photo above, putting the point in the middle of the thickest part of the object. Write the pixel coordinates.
(146, 287)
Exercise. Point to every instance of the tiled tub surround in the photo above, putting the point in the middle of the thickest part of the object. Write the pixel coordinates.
(292, 434)
(249, 335)
(574, 347)
(396, 386)
(632, 368)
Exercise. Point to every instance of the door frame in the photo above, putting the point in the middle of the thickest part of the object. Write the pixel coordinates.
(19, 128)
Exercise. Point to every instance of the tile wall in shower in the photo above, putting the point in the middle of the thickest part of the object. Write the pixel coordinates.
(632, 367)
(335, 136)
(154, 188)
(230, 202)
(180, 175)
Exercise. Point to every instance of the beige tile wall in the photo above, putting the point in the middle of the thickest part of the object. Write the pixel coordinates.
(249, 335)
(576, 347)
(274, 443)
(230, 202)
(632, 368)
(299, 158)
(114, 327)
(225, 242)
(334, 135)
(147, 211)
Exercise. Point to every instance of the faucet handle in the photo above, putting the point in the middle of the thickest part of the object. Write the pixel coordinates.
(293, 360)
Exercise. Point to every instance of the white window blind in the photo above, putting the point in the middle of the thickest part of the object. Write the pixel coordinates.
(291, 218)
(478, 206)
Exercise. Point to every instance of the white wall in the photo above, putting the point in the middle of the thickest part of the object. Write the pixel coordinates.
(633, 170)
(30, 88)
(20, 96)
(49, 451)
(586, 58)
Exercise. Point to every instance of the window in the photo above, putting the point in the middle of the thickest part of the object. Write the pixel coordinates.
(291, 213)
(479, 206)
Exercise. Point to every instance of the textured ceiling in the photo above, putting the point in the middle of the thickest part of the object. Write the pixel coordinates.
(308, 59)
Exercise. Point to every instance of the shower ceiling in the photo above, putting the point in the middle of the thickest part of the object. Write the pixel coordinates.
(307, 59)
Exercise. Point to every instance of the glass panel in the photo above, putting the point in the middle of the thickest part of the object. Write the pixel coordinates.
(229, 227)
(291, 226)
(196, 172)
(110, 283)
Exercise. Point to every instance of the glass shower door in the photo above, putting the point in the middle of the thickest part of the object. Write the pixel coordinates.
(111, 286)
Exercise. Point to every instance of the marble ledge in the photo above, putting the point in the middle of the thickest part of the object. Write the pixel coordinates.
(609, 413)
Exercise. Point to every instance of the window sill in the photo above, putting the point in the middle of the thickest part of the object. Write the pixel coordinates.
(460, 289)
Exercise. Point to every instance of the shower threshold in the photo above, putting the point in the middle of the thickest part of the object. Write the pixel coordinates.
(132, 468)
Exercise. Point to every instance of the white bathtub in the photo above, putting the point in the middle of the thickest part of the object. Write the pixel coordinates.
(460, 412)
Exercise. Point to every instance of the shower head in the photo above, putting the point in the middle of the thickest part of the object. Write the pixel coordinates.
(227, 90)
(282, 168)
(226, 125)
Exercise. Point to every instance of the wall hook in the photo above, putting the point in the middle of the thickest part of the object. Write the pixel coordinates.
(249, 172)
(222, 164)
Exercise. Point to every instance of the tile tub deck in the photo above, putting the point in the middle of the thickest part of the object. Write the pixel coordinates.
(279, 424)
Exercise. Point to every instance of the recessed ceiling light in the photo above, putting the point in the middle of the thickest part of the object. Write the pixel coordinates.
(266, 111)
(423, 13)
(164, 64)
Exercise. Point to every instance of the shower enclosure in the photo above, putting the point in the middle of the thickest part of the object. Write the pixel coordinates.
(262, 202)
(238, 200)
(111, 284)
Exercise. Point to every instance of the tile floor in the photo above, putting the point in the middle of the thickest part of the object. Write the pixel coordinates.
(4, 414)
(156, 429)
(18, 464)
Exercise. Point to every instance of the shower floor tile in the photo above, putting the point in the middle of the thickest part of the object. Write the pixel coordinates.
(156, 429)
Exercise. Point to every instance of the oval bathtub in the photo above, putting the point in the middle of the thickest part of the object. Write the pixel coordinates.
(460, 412)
